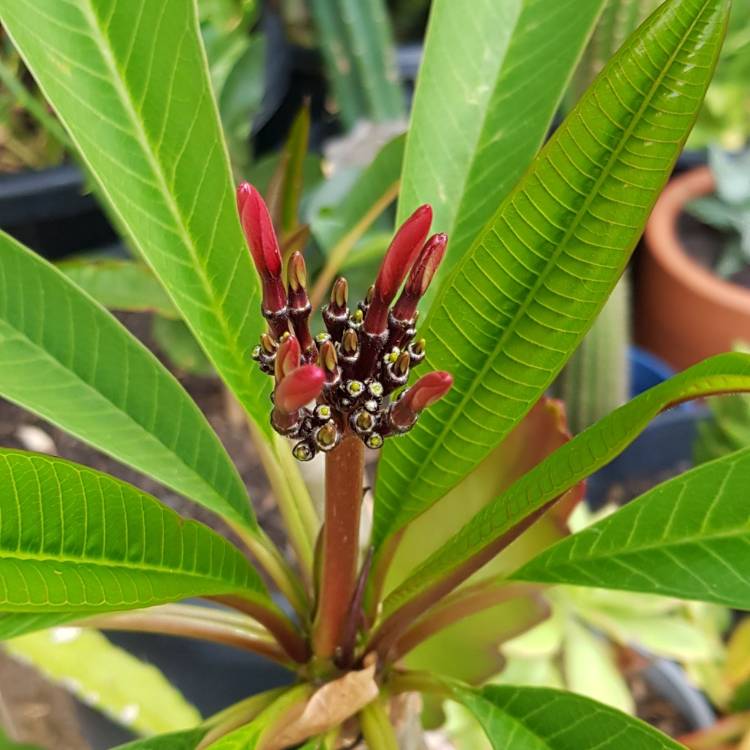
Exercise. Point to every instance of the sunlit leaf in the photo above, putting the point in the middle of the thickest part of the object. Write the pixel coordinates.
(68, 360)
(521, 299)
(686, 538)
(128, 79)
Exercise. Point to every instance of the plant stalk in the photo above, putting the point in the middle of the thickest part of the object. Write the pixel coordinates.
(294, 502)
(376, 727)
(275, 621)
(400, 619)
(238, 715)
(340, 544)
(464, 603)
(201, 623)
(278, 569)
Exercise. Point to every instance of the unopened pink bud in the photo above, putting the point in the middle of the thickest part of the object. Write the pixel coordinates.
(399, 258)
(425, 392)
(263, 244)
(298, 388)
(287, 358)
(421, 276)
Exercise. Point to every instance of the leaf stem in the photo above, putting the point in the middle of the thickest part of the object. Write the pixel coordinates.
(293, 500)
(237, 715)
(275, 621)
(338, 254)
(417, 682)
(464, 603)
(400, 618)
(203, 623)
(340, 544)
(376, 727)
(273, 562)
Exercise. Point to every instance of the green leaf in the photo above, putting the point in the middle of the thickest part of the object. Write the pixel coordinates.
(128, 79)
(67, 360)
(482, 110)
(131, 692)
(73, 540)
(120, 285)
(686, 538)
(7, 744)
(569, 464)
(544, 719)
(285, 190)
(188, 740)
(520, 301)
(184, 353)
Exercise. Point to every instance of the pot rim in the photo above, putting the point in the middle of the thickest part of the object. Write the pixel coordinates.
(667, 249)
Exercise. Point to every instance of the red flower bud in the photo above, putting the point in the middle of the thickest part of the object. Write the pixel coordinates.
(425, 392)
(287, 358)
(399, 258)
(264, 247)
(298, 388)
(420, 277)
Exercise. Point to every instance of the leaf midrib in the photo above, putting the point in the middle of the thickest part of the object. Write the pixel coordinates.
(489, 360)
(61, 559)
(142, 137)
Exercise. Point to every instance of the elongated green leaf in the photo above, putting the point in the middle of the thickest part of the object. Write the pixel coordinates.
(188, 740)
(75, 541)
(569, 464)
(544, 719)
(482, 111)
(68, 360)
(687, 538)
(120, 285)
(128, 79)
(522, 298)
(131, 692)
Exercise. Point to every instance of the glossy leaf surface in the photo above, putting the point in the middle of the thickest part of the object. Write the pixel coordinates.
(68, 360)
(75, 541)
(686, 538)
(577, 459)
(482, 111)
(544, 719)
(519, 302)
(128, 79)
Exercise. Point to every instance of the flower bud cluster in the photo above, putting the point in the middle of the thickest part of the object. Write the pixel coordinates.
(350, 379)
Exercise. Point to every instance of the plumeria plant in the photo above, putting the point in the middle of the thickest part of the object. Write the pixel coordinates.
(477, 475)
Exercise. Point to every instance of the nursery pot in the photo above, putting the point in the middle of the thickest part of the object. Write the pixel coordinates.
(51, 212)
(684, 312)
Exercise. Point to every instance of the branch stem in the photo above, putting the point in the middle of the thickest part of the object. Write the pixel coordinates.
(376, 726)
(201, 623)
(340, 544)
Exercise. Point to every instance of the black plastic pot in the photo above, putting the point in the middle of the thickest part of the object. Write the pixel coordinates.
(668, 681)
(211, 677)
(51, 212)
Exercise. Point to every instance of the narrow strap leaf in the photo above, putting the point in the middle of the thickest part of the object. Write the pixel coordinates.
(75, 541)
(687, 538)
(515, 58)
(523, 296)
(568, 465)
(128, 79)
(71, 362)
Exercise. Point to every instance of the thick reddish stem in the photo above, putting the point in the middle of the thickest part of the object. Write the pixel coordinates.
(338, 579)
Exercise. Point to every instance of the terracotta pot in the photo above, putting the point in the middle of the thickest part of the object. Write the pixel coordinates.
(684, 313)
